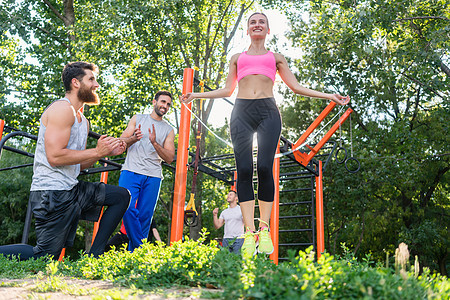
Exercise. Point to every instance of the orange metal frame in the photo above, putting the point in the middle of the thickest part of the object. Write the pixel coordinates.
(320, 230)
(233, 187)
(181, 173)
(275, 215)
(305, 158)
(2, 125)
(301, 157)
(179, 193)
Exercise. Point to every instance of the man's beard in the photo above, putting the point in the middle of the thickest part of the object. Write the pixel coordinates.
(159, 112)
(88, 96)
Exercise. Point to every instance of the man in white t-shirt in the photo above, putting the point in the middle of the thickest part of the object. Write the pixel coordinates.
(234, 225)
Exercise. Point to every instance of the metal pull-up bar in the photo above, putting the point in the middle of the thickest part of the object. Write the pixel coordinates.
(305, 158)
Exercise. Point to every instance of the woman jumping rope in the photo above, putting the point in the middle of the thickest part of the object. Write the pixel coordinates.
(255, 110)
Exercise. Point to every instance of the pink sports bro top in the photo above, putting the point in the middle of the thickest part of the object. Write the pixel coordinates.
(264, 64)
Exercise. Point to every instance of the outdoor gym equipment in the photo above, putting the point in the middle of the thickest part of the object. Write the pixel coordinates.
(301, 157)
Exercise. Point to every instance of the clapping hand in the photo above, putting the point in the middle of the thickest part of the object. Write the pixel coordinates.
(152, 135)
(108, 145)
(138, 133)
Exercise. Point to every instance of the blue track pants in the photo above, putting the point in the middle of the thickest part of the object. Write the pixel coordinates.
(144, 192)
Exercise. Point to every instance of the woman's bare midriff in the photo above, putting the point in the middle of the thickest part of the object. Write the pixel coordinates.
(255, 86)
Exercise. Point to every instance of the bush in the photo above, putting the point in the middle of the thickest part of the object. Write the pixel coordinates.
(192, 263)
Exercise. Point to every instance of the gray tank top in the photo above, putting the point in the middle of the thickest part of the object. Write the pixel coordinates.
(142, 157)
(46, 177)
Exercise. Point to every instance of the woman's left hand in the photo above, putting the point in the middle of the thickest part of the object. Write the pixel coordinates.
(341, 100)
(187, 98)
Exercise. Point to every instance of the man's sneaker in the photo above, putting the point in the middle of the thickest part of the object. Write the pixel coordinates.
(265, 242)
(118, 240)
(248, 249)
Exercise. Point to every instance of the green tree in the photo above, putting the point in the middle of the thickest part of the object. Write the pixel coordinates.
(140, 48)
(392, 58)
(14, 192)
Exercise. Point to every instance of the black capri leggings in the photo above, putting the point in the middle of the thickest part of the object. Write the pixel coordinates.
(263, 117)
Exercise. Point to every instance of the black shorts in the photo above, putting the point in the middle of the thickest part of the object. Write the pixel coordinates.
(57, 214)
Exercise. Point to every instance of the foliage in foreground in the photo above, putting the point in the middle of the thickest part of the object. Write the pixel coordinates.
(192, 263)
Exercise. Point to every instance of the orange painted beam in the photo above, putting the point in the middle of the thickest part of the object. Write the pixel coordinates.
(2, 126)
(314, 124)
(179, 193)
(61, 255)
(305, 158)
(320, 232)
(233, 187)
(275, 215)
(329, 134)
(302, 157)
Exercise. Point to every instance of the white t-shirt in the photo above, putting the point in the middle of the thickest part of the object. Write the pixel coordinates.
(234, 224)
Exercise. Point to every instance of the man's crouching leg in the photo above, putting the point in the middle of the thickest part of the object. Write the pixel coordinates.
(117, 200)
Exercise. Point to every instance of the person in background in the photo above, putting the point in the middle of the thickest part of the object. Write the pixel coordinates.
(234, 225)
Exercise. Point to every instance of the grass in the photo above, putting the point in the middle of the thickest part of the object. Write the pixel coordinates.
(217, 274)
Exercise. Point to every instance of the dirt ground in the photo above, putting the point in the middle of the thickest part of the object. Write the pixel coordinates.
(88, 289)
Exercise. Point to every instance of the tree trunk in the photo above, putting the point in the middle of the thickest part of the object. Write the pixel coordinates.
(442, 261)
(68, 17)
(441, 172)
(445, 69)
(361, 236)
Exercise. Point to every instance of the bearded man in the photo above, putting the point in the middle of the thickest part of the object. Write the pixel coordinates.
(58, 200)
(149, 139)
